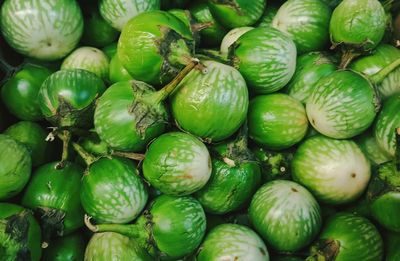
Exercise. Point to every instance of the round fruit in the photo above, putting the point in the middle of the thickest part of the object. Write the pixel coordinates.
(71, 247)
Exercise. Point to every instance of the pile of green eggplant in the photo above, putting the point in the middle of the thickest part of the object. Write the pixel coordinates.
(206, 130)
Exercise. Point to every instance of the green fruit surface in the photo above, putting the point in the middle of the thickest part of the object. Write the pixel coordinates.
(67, 248)
(117, 72)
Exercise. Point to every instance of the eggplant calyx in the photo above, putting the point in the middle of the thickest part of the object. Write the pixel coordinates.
(51, 222)
(386, 180)
(324, 250)
(86, 156)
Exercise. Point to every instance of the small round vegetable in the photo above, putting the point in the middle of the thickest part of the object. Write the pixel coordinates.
(231, 37)
(237, 13)
(45, 30)
(118, 12)
(15, 167)
(310, 68)
(90, 59)
(117, 72)
(232, 242)
(348, 237)
(277, 121)
(19, 234)
(369, 145)
(154, 46)
(113, 246)
(71, 247)
(387, 121)
(20, 92)
(266, 58)
(286, 215)
(33, 136)
(177, 163)
(307, 23)
(67, 97)
(335, 171)
(211, 105)
(342, 105)
(54, 195)
(180, 220)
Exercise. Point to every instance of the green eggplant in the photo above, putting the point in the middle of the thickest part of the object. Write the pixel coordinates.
(33, 136)
(20, 234)
(110, 50)
(213, 104)
(265, 57)
(20, 92)
(66, 248)
(237, 13)
(154, 46)
(90, 59)
(53, 194)
(117, 73)
(347, 237)
(268, 16)
(277, 121)
(15, 167)
(171, 228)
(369, 145)
(234, 179)
(230, 242)
(307, 23)
(231, 37)
(177, 163)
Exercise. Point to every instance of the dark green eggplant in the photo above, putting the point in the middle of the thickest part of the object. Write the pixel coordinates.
(66, 248)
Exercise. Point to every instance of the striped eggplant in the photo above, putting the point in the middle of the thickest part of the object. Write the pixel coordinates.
(154, 46)
(310, 68)
(231, 37)
(213, 34)
(369, 145)
(232, 242)
(33, 136)
(177, 163)
(118, 12)
(286, 215)
(277, 121)
(357, 26)
(237, 13)
(19, 93)
(15, 168)
(90, 59)
(67, 97)
(171, 228)
(131, 114)
(266, 58)
(71, 247)
(384, 195)
(274, 164)
(347, 237)
(307, 23)
(20, 234)
(211, 105)
(45, 30)
(234, 179)
(382, 57)
(268, 16)
(335, 171)
(342, 105)
(392, 251)
(386, 123)
(111, 191)
(113, 246)
(53, 194)
(117, 73)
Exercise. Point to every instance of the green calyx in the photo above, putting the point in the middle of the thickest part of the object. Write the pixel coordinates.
(324, 250)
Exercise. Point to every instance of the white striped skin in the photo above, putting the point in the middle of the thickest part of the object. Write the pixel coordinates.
(286, 215)
(306, 21)
(231, 242)
(42, 29)
(342, 105)
(118, 12)
(335, 171)
(266, 58)
(231, 37)
(387, 122)
(90, 59)
(111, 246)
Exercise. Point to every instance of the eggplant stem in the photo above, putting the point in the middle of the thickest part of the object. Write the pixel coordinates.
(89, 224)
(129, 155)
(86, 156)
(124, 229)
(347, 58)
(65, 136)
(378, 77)
(197, 27)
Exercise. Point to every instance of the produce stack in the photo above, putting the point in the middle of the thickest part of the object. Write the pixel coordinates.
(200, 130)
